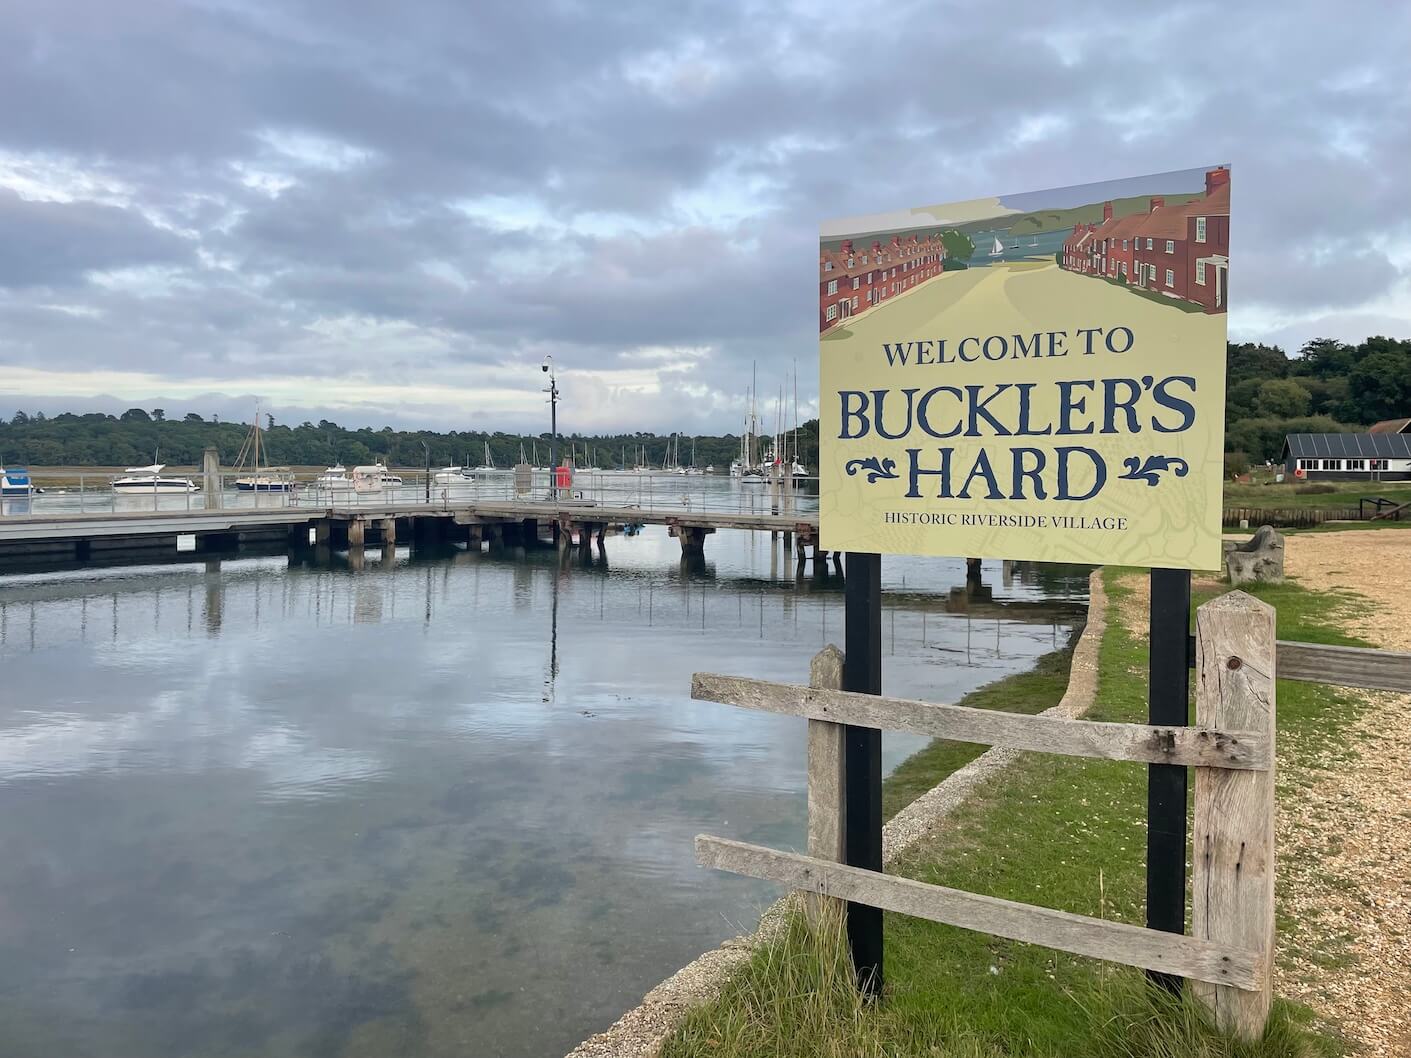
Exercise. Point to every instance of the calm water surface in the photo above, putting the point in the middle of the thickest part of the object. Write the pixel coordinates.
(437, 806)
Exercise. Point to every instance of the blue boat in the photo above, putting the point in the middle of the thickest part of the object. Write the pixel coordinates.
(15, 482)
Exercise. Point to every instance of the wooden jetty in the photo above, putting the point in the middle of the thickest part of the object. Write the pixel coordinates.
(59, 537)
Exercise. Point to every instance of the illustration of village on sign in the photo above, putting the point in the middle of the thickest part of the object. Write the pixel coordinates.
(1163, 238)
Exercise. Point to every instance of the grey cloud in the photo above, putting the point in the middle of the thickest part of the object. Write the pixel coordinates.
(53, 243)
(650, 113)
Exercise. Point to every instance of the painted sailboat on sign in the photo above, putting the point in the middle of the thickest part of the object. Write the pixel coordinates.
(998, 248)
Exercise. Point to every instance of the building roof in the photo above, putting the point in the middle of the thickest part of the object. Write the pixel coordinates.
(1344, 445)
(1390, 426)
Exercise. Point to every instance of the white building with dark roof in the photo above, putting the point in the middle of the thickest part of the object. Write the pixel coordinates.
(1348, 456)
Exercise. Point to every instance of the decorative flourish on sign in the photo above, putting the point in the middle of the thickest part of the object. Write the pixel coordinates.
(875, 468)
(1150, 470)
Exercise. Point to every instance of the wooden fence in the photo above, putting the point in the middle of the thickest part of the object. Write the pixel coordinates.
(1229, 955)
(1289, 517)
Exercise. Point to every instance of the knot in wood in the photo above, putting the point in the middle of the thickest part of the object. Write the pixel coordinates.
(1233, 664)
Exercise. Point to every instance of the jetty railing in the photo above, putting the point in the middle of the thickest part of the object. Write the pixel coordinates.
(1228, 956)
(649, 491)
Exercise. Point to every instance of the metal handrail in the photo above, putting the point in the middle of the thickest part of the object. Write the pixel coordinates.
(652, 491)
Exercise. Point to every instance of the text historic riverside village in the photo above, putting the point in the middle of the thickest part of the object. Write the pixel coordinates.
(1113, 404)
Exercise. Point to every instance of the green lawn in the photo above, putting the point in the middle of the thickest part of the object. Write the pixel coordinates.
(1288, 495)
(1057, 831)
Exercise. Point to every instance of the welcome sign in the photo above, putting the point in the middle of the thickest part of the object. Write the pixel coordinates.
(1037, 376)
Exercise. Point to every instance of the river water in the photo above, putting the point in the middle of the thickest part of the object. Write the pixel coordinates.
(439, 805)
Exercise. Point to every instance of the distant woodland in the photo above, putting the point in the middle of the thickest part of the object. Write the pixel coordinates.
(139, 435)
(1326, 387)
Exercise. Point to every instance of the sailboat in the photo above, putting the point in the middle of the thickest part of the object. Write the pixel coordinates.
(271, 479)
(997, 250)
(487, 467)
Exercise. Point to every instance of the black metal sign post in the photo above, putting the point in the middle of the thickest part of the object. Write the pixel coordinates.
(1168, 669)
(862, 758)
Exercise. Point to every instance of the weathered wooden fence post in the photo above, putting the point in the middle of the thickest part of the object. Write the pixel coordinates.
(826, 804)
(1233, 890)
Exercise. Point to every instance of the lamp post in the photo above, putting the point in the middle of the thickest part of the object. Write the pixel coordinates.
(552, 389)
(426, 448)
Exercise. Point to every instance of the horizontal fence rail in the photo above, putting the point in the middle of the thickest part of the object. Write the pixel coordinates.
(1380, 670)
(1196, 746)
(1191, 957)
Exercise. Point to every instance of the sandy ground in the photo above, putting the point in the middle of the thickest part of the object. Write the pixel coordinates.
(1344, 826)
(1345, 833)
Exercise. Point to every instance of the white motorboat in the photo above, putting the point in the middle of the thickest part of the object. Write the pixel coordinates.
(752, 477)
(453, 476)
(335, 479)
(149, 479)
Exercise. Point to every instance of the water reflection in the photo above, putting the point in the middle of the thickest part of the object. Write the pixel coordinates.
(439, 804)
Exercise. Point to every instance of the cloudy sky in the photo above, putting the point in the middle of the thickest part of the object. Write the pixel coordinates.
(390, 212)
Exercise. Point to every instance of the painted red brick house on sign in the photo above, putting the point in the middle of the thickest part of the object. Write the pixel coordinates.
(853, 279)
(1177, 251)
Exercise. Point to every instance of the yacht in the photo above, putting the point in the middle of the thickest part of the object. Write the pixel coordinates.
(335, 478)
(453, 476)
(14, 481)
(149, 479)
(260, 479)
(487, 467)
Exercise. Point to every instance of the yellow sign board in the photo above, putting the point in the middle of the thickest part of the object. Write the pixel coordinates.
(1036, 376)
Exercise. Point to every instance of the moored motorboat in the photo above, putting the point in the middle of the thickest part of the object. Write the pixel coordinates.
(453, 476)
(335, 477)
(149, 479)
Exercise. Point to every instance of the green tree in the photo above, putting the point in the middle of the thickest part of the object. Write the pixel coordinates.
(1254, 360)
(135, 415)
(1282, 398)
(958, 245)
(159, 415)
(1379, 387)
(1327, 357)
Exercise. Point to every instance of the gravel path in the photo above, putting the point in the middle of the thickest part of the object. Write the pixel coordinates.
(1344, 823)
(1344, 827)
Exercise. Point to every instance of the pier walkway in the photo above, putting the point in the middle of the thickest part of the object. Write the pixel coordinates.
(38, 535)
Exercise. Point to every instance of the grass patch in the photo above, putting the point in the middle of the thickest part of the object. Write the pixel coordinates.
(1286, 495)
(796, 1000)
(1023, 692)
(1061, 832)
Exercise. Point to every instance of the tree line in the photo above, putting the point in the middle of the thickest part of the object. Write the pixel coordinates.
(1326, 387)
(140, 436)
